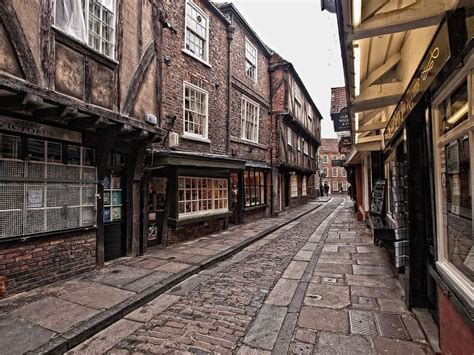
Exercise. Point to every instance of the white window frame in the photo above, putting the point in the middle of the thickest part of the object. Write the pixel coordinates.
(214, 198)
(190, 135)
(289, 133)
(293, 185)
(206, 44)
(298, 143)
(244, 102)
(335, 183)
(449, 270)
(325, 158)
(334, 172)
(304, 187)
(251, 45)
(86, 20)
(343, 172)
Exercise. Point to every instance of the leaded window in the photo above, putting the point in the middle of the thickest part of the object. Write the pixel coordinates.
(250, 120)
(254, 187)
(195, 111)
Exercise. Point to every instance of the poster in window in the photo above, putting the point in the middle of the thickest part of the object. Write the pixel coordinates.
(116, 197)
(115, 182)
(35, 196)
(107, 182)
(106, 198)
(107, 214)
(116, 213)
(452, 161)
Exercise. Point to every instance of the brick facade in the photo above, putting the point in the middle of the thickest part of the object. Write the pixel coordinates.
(328, 152)
(41, 261)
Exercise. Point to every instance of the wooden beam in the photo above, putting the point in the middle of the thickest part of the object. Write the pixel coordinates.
(372, 127)
(423, 13)
(368, 146)
(370, 115)
(57, 113)
(378, 96)
(370, 139)
(89, 122)
(371, 7)
(380, 71)
(21, 102)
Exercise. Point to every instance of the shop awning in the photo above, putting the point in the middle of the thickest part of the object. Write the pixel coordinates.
(195, 160)
(257, 164)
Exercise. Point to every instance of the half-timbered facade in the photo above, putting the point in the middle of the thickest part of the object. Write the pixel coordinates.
(296, 136)
(77, 108)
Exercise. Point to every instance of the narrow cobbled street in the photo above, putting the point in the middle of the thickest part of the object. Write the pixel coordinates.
(317, 285)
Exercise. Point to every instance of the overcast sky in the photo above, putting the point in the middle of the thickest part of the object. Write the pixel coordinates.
(306, 36)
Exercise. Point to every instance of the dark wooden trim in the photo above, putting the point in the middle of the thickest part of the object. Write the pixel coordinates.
(158, 44)
(139, 4)
(19, 42)
(47, 43)
(137, 80)
(118, 57)
(87, 80)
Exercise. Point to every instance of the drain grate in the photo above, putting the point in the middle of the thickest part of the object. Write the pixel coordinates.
(362, 323)
(371, 323)
(391, 326)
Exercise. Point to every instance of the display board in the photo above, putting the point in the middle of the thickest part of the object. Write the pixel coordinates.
(377, 203)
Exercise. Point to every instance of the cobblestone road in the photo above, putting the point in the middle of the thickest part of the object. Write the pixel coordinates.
(317, 285)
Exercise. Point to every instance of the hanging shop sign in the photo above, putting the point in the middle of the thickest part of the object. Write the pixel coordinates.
(341, 121)
(434, 60)
(37, 129)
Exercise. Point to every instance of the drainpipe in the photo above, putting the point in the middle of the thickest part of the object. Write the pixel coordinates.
(230, 37)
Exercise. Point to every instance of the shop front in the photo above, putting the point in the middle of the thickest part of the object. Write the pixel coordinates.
(190, 195)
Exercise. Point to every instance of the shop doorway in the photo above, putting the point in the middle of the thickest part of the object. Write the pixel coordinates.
(157, 214)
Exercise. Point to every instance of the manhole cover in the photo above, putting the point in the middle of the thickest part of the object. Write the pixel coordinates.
(391, 326)
(315, 297)
(362, 323)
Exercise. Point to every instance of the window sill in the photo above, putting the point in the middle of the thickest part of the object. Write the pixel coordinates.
(247, 142)
(65, 38)
(257, 207)
(26, 238)
(195, 138)
(192, 55)
(199, 217)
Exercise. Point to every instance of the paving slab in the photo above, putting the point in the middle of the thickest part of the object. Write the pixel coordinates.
(55, 314)
(371, 281)
(172, 267)
(329, 296)
(303, 255)
(392, 305)
(282, 293)
(107, 338)
(152, 308)
(264, 331)
(19, 336)
(147, 263)
(147, 281)
(95, 295)
(120, 275)
(371, 270)
(323, 319)
(387, 346)
(393, 292)
(295, 270)
(330, 344)
(323, 267)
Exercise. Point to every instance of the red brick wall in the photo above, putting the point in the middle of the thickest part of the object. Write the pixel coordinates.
(456, 337)
(183, 67)
(193, 230)
(37, 262)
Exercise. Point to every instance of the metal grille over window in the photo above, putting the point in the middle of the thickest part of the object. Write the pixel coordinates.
(43, 195)
(196, 31)
(195, 111)
(202, 195)
(250, 120)
(250, 60)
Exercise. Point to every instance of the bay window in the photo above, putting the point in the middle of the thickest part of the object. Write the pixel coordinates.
(254, 188)
(454, 146)
(202, 195)
(89, 21)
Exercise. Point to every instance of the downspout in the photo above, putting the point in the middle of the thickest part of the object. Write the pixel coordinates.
(230, 37)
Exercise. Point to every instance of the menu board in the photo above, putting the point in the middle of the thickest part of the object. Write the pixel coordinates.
(378, 198)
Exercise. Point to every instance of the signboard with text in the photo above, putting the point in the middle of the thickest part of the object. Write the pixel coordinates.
(342, 121)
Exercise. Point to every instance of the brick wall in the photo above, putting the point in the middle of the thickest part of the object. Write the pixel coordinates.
(193, 230)
(37, 262)
(211, 78)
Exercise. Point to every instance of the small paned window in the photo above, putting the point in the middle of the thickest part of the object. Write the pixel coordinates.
(10, 146)
(293, 185)
(325, 158)
(197, 31)
(454, 109)
(334, 172)
(202, 195)
(36, 149)
(250, 60)
(250, 120)
(195, 111)
(254, 188)
(304, 191)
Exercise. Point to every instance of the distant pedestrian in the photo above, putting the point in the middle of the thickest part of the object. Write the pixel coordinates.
(340, 189)
(326, 189)
(321, 190)
(349, 189)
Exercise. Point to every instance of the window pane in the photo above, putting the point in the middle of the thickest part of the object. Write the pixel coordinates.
(89, 157)
(74, 155)
(454, 110)
(54, 152)
(36, 150)
(459, 206)
(10, 147)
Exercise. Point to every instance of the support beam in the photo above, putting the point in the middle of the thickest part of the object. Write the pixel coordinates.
(423, 13)
(371, 7)
(89, 122)
(370, 115)
(20, 102)
(57, 113)
(378, 96)
(372, 127)
(370, 139)
(380, 71)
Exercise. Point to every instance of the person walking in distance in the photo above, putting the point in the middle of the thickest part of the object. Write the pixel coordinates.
(326, 189)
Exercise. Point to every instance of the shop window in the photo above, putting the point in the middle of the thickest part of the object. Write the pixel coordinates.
(254, 188)
(454, 138)
(10, 147)
(293, 186)
(42, 194)
(197, 32)
(250, 60)
(335, 186)
(195, 111)
(202, 195)
(113, 198)
(304, 190)
(90, 21)
(250, 120)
